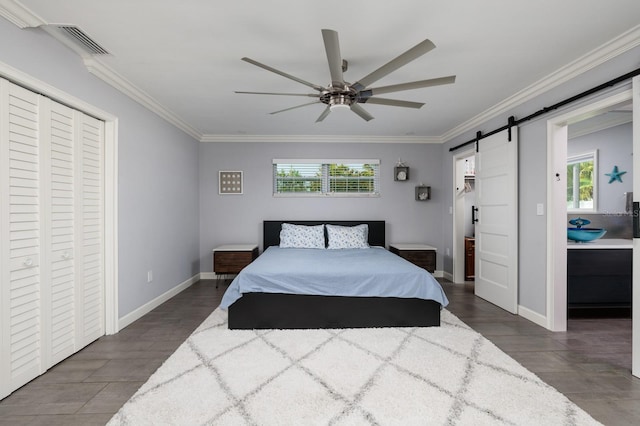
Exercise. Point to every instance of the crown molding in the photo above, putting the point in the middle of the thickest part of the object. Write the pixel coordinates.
(19, 15)
(623, 43)
(23, 17)
(114, 79)
(321, 139)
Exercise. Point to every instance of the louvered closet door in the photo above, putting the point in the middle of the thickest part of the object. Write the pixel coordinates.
(59, 286)
(51, 233)
(20, 242)
(90, 235)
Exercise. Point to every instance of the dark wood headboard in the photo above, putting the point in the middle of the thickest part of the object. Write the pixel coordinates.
(271, 235)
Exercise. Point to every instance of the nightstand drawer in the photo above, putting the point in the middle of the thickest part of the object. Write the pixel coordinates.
(228, 261)
(420, 255)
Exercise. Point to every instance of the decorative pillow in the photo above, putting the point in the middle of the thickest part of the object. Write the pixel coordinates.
(301, 236)
(344, 237)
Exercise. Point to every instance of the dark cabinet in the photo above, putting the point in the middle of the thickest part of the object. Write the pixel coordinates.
(469, 258)
(599, 279)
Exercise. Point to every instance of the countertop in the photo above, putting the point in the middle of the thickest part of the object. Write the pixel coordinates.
(602, 243)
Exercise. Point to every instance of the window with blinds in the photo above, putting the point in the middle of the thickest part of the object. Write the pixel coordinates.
(345, 178)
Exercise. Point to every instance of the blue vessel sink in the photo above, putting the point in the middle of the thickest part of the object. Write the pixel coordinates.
(582, 235)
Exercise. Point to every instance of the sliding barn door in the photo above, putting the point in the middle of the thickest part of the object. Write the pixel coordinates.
(52, 233)
(496, 260)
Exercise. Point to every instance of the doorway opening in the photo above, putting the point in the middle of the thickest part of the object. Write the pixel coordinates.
(558, 153)
(599, 272)
(464, 225)
(607, 213)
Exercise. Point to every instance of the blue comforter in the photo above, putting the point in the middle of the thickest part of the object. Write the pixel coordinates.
(372, 272)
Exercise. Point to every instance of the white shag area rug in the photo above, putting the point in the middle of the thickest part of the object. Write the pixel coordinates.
(447, 375)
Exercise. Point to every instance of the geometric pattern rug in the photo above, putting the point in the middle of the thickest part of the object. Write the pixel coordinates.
(447, 375)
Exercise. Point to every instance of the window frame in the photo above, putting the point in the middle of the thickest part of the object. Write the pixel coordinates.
(325, 180)
(581, 158)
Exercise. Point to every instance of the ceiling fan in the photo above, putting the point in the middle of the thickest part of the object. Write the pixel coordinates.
(340, 94)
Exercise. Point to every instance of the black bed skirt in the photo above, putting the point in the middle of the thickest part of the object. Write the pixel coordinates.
(293, 311)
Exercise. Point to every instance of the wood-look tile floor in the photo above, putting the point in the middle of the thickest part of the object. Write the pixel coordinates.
(590, 363)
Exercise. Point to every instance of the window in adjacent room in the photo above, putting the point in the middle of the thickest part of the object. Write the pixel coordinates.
(582, 182)
(341, 178)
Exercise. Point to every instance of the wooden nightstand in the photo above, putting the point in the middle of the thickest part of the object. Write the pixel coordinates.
(232, 258)
(421, 255)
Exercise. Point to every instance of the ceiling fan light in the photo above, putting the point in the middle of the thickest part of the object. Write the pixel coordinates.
(339, 106)
(339, 101)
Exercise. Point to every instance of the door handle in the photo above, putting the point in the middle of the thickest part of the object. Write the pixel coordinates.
(474, 218)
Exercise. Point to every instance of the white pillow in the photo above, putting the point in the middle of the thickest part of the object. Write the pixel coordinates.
(345, 237)
(301, 236)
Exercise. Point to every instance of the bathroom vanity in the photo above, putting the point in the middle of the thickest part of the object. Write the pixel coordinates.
(599, 278)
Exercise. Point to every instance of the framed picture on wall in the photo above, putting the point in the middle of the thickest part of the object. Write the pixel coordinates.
(229, 182)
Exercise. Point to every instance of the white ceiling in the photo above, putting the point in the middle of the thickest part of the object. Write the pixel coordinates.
(186, 55)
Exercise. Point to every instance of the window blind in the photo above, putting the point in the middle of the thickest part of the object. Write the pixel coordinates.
(326, 177)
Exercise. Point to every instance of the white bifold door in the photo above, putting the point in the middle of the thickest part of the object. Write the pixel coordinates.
(52, 233)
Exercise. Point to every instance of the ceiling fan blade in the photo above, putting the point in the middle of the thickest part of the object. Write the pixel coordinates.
(393, 102)
(298, 106)
(332, 47)
(408, 56)
(311, 95)
(284, 74)
(361, 112)
(324, 114)
(409, 86)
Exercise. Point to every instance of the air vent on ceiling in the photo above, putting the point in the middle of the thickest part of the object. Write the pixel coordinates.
(82, 40)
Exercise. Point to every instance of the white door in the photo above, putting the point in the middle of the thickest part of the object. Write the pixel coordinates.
(496, 257)
(52, 242)
(90, 239)
(59, 186)
(20, 237)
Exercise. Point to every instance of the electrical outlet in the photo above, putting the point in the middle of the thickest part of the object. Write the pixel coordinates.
(448, 252)
(149, 276)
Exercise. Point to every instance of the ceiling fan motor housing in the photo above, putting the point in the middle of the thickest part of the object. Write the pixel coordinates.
(339, 96)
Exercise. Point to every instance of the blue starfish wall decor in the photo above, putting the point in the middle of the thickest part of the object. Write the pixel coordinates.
(615, 175)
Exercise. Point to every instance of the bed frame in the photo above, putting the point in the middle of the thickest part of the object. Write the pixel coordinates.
(298, 311)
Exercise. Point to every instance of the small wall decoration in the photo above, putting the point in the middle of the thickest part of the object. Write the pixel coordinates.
(423, 193)
(229, 182)
(401, 171)
(615, 175)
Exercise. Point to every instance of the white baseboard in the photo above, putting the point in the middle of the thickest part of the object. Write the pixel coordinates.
(208, 275)
(532, 316)
(151, 305)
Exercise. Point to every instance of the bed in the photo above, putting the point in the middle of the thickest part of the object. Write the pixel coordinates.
(324, 293)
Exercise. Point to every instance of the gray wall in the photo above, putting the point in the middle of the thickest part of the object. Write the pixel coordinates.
(615, 148)
(158, 177)
(229, 219)
(533, 174)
